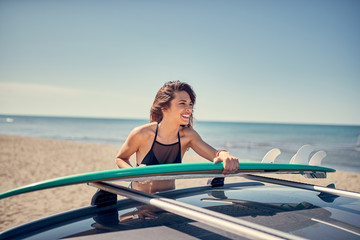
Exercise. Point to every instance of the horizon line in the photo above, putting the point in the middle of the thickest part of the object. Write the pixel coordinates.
(195, 120)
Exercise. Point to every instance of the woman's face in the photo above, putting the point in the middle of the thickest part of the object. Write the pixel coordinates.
(180, 109)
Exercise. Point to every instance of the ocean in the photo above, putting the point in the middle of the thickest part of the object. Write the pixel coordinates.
(243, 140)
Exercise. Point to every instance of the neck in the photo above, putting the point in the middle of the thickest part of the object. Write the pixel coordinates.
(168, 131)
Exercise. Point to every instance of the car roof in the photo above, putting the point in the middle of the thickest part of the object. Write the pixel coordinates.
(302, 213)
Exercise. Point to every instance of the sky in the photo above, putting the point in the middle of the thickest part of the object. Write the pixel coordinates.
(279, 61)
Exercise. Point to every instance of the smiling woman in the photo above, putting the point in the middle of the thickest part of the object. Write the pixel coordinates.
(168, 136)
(184, 95)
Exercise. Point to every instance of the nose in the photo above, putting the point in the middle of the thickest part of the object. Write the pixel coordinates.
(189, 109)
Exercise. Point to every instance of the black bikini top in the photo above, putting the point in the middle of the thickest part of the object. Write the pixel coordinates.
(163, 153)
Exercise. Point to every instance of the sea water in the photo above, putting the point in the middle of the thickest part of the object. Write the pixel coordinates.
(243, 140)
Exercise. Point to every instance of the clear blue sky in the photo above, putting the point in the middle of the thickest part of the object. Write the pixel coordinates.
(264, 61)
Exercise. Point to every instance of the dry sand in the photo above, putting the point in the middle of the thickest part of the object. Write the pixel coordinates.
(25, 160)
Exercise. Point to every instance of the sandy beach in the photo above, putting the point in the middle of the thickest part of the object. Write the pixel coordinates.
(25, 160)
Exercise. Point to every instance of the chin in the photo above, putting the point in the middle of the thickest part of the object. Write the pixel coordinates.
(184, 122)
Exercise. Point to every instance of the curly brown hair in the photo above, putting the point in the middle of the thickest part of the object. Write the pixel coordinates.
(165, 95)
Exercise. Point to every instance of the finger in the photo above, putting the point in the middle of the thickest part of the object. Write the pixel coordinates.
(217, 159)
(235, 164)
(227, 167)
(231, 165)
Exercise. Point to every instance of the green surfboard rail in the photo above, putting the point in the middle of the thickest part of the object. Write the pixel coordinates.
(158, 170)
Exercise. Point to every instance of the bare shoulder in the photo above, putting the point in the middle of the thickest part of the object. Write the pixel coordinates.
(144, 131)
(189, 133)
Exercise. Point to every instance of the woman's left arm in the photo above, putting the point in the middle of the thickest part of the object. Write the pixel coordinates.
(231, 163)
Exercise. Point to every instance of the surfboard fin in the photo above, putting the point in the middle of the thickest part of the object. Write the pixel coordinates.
(317, 158)
(302, 155)
(271, 155)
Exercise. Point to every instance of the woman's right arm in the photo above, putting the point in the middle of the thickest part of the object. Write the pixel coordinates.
(130, 147)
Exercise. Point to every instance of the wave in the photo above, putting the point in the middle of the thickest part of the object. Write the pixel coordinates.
(7, 120)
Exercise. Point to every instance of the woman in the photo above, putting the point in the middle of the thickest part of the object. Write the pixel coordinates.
(168, 136)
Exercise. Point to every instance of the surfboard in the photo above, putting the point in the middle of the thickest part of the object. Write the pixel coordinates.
(170, 171)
